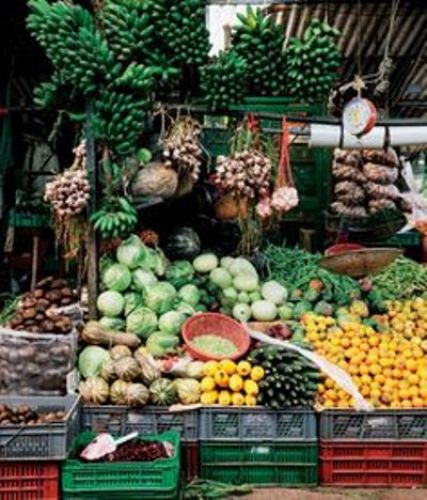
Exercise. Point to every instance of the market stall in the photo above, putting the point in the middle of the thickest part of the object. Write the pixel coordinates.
(228, 307)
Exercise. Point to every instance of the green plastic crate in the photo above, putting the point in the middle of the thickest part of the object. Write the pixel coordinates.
(409, 239)
(26, 220)
(260, 463)
(130, 480)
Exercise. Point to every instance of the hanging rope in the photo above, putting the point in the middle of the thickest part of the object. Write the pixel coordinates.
(382, 75)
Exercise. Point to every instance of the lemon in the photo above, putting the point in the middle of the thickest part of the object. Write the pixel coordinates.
(257, 373)
(228, 366)
(244, 368)
(207, 384)
(209, 398)
(210, 368)
(221, 379)
(251, 387)
(236, 383)
(237, 399)
(224, 398)
(250, 400)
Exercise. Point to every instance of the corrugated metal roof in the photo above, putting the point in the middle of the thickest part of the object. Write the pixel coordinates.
(408, 47)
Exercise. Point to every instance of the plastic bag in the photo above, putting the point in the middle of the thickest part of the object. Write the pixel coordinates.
(416, 199)
(336, 373)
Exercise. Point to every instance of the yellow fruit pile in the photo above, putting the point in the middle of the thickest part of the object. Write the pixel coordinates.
(389, 369)
(227, 383)
(408, 317)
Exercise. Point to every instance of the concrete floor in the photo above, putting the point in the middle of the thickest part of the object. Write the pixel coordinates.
(336, 494)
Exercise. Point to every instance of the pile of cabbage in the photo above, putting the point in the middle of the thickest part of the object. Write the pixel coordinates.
(145, 295)
(239, 290)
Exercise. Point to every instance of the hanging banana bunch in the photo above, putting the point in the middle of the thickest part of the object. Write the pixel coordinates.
(127, 28)
(312, 62)
(225, 80)
(260, 43)
(68, 34)
(130, 32)
(181, 31)
(121, 107)
(116, 217)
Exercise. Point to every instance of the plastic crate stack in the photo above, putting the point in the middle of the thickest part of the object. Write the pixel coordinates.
(121, 420)
(376, 449)
(122, 480)
(259, 446)
(31, 454)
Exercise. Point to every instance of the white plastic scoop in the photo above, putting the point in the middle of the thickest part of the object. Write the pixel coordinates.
(104, 444)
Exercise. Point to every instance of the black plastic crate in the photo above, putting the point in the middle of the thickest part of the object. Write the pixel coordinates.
(352, 425)
(250, 424)
(121, 420)
(40, 441)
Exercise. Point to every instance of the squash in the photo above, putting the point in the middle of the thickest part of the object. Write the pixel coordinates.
(159, 344)
(182, 243)
(228, 208)
(157, 180)
(163, 392)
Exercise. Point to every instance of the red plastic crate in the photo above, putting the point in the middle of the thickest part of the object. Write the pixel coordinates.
(29, 481)
(396, 463)
(190, 460)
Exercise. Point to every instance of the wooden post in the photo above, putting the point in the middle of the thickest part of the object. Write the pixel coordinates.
(92, 250)
(34, 261)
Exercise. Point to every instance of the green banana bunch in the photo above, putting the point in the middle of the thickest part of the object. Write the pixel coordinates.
(225, 80)
(260, 42)
(312, 62)
(132, 35)
(181, 31)
(290, 380)
(116, 217)
(127, 27)
(121, 108)
(68, 34)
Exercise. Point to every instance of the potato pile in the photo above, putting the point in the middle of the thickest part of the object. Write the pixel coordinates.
(24, 414)
(37, 311)
(29, 366)
(364, 182)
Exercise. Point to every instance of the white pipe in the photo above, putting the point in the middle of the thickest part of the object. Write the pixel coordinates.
(335, 135)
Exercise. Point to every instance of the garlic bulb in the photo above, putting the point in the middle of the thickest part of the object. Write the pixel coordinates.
(68, 193)
(263, 208)
(182, 149)
(244, 174)
(284, 199)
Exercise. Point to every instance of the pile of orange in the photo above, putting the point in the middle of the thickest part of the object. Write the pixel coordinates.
(408, 317)
(389, 369)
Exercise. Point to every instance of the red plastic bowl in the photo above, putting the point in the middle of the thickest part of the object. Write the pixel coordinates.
(342, 247)
(217, 324)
